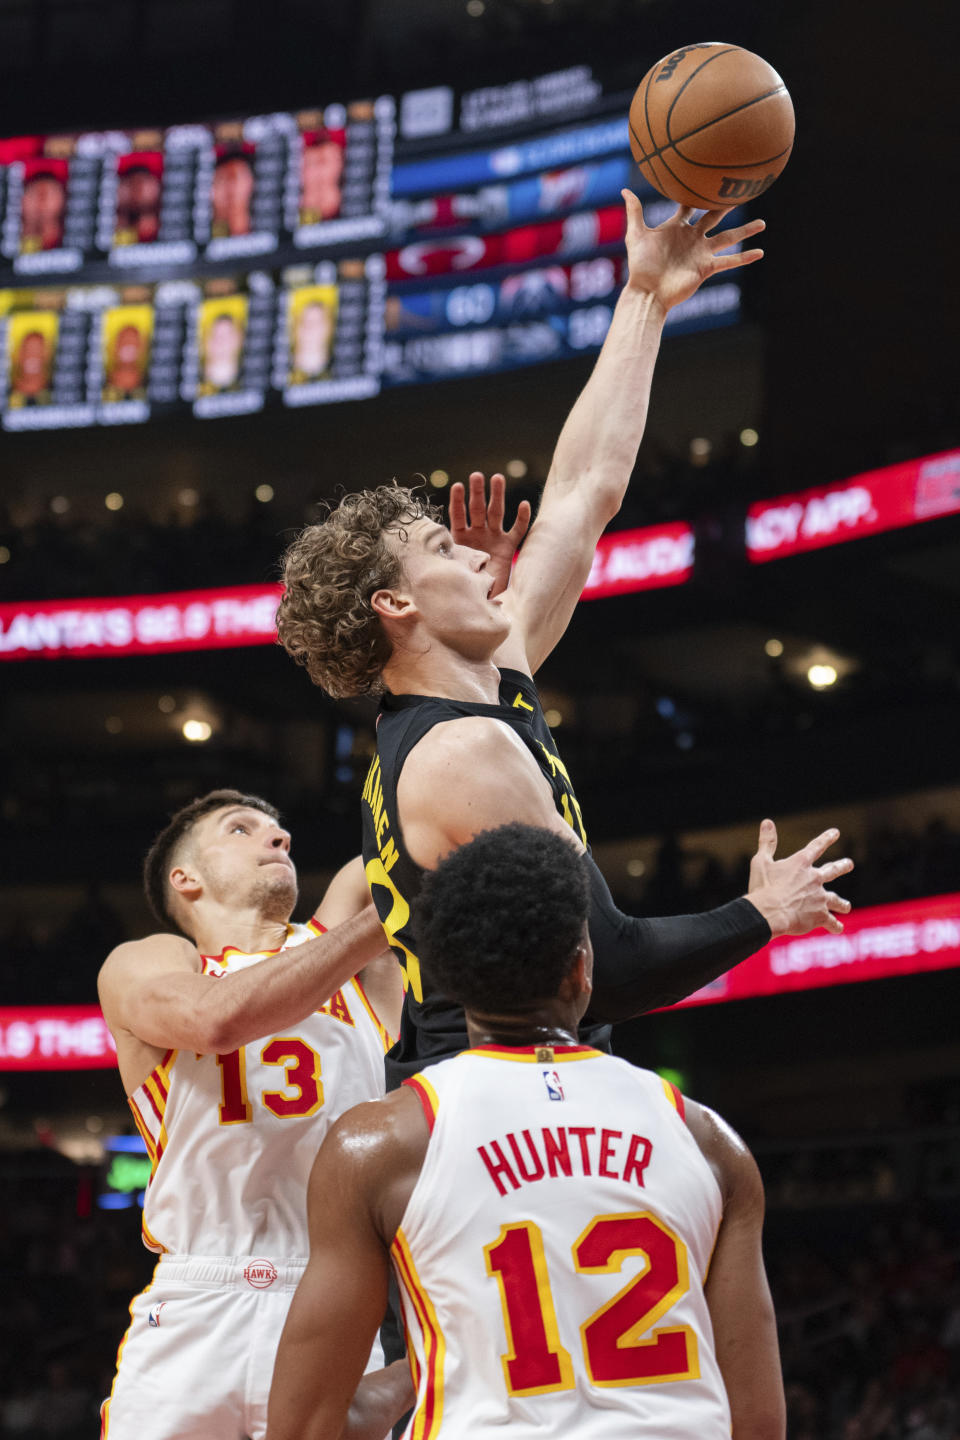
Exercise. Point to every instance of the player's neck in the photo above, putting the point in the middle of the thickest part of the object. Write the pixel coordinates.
(248, 931)
(442, 672)
(546, 1025)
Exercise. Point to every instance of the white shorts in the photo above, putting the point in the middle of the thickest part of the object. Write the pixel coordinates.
(197, 1359)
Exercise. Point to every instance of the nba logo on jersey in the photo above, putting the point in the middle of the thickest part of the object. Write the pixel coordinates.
(552, 1081)
(153, 1318)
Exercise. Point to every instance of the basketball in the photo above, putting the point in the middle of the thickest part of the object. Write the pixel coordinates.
(711, 125)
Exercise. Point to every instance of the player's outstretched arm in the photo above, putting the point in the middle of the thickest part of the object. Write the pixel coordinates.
(598, 444)
(153, 989)
(359, 1186)
(737, 1292)
(640, 964)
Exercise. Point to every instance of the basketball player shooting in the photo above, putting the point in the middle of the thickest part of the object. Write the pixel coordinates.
(577, 1246)
(238, 1041)
(382, 597)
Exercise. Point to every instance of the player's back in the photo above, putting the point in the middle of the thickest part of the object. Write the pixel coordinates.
(553, 1254)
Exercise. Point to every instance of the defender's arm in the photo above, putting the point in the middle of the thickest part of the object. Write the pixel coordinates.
(738, 1295)
(153, 988)
(360, 1184)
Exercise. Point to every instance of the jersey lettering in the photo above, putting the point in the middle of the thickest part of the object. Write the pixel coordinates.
(336, 1008)
(376, 874)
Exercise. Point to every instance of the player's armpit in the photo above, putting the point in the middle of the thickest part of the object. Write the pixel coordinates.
(737, 1292)
(466, 776)
(382, 981)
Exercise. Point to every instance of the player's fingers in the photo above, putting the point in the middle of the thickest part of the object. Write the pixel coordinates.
(828, 873)
(733, 262)
(478, 500)
(815, 847)
(767, 843)
(458, 508)
(711, 219)
(837, 902)
(521, 525)
(833, 925)
(497, 502)
(737, 234)
(635, 220)
(685, 214)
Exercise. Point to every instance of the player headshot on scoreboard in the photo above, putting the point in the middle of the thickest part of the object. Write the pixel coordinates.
(313, 323)
(231, 192)
(43, 204)
(139, 191)
(321, 173)
(221, 327)
(127, 333)
(31, 351)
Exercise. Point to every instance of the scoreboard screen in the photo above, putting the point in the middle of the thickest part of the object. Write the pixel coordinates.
(319, 255)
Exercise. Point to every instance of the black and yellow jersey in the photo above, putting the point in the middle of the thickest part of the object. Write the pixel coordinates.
(433, 1027)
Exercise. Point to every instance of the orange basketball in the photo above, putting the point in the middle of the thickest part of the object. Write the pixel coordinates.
(711, 125)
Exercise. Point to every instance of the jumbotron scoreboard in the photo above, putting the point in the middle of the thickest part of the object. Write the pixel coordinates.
(312, 256)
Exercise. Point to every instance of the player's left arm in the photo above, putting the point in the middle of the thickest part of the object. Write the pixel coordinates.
(598, 445)
(359, 1177)
(737, 1292)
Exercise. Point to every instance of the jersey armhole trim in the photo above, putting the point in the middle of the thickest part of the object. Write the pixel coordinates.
(425, 1093)
(675, 1098)
(314, 926)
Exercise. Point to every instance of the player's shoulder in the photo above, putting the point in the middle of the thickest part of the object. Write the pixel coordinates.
(451, 742)
(375, 1133)
(160, 951)
(727, 1154)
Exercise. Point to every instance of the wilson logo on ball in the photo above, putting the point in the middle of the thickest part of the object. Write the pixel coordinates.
(731, 189)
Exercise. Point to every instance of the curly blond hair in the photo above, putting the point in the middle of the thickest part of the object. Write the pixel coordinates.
(330, 571)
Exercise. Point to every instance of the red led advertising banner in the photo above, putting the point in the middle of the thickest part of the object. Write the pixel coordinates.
(139, 624)
(876, 943)
(55, 1037)
(888, 499)
(626, 561)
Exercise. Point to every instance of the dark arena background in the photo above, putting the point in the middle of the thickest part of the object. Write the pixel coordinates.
(771, 627)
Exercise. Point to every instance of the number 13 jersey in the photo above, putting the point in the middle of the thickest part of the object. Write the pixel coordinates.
(232, 1137)
(552, 1257)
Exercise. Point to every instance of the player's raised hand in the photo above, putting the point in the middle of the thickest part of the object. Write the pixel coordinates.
(478, 522)
(792, 894)
(672, 260)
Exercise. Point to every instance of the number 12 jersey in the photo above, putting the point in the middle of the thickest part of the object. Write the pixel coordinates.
(552, 1258)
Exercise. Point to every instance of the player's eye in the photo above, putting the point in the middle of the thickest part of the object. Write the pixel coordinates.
(240, 826)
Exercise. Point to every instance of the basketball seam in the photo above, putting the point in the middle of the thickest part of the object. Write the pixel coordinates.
(646, 115)
(702, 66)
(768, 95)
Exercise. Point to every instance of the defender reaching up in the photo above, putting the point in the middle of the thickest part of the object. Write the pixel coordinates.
(383, 597)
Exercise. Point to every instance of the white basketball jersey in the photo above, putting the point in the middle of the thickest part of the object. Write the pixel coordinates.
(232, 1137)
(552, 1258)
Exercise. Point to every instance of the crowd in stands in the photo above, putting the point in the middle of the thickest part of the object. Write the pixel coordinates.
(75, 552)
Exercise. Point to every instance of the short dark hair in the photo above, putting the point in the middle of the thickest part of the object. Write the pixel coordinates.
(500, 919)
(157, 863)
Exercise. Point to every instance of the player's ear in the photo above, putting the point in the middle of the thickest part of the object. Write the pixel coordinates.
(392, 605)
(184, 880)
